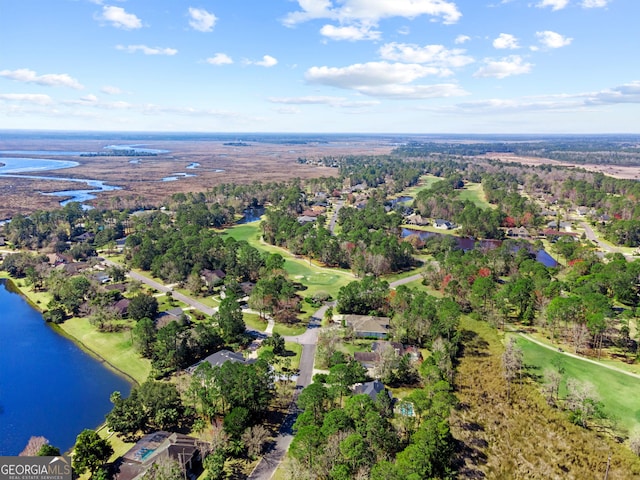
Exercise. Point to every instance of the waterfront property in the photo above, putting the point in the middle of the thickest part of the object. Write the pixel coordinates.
(159, 446)
(48, 386)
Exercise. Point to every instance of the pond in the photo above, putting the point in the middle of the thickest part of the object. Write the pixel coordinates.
(469, 243)
(48, 386)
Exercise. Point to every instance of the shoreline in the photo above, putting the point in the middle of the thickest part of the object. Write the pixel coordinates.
(59, 329)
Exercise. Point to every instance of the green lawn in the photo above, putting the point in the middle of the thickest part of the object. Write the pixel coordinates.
(474, 193)
(114, 347)
(207, 300)
(315, 278)
(426, 181)
(617, 391)
(253, 320)
(290, 330)
(296, 349)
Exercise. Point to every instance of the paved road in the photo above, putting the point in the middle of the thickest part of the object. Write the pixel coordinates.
(163, 288)
(591, 235)
(309, 339)
(334, 217)
(402, 281)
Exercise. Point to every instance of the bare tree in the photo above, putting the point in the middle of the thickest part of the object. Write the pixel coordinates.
(582, 401)
(552, 387)
(33, 446)
(634, 443)
(511, 363)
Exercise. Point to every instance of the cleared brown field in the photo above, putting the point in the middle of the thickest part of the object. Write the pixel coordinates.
(142, 181)
(632, 173)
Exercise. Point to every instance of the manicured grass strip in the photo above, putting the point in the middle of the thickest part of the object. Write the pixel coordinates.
(114, 347)
(474, 193)
(289, 330)
(207, 300)
(253, 320)
(296, 348)
(617, 391)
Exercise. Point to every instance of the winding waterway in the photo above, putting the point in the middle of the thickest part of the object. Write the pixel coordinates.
(11, 167)
(48, 385)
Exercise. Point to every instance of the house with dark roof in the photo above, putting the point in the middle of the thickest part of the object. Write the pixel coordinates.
(159, 446)
(213, 278)
(368, 326)
(220, 357)
(372, 389)
(121, 307)
(443, 224)
(174, 315)
(368, 360)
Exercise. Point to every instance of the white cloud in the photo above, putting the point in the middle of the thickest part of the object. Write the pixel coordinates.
(50, 79)
(506, 41)
(554, 4)
(436, 55)
(147, 50)
(267, 61)
(623, 94)
(323, 100)
(443, 90)
(368, 74)
(383, 79)
(627, 93)
(505, 67)
(119, 18)
(307, 100)
(552, 39)
(350, 32)
(460, 39)
(37, 98)
(111, 90)
(220, 59)
(595, 3)
(201, 20)
(368, 11)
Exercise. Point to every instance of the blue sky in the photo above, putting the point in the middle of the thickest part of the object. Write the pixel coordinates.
(370, 66)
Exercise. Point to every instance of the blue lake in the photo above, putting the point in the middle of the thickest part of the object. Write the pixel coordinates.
(48, 385)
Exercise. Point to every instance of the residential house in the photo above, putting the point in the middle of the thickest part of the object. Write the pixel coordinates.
(443, 224)
(372, 389)
(100, 277)
(160, 446)
(560, 226)
(213, 278)
(368, 360)
(220, 357)
(173, 315)
(518, 232)
(84, 237)
(304, 219)
(121, 307)
(417, 219)
(367, 326)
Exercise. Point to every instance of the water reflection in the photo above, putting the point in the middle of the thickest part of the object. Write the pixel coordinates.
(469, 243)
